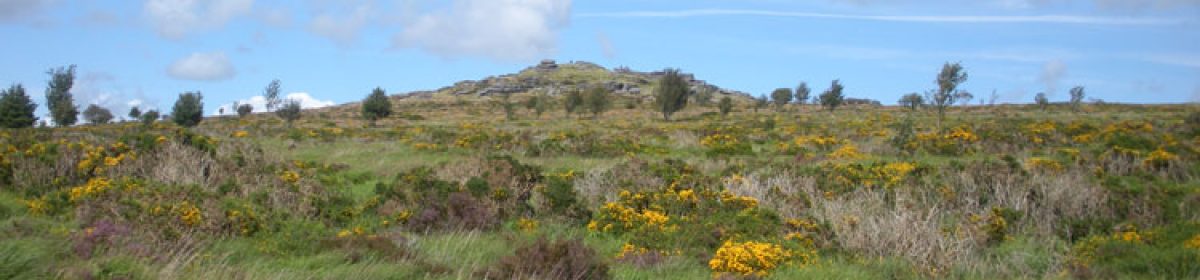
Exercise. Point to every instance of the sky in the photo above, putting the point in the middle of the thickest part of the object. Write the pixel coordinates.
(328, 52)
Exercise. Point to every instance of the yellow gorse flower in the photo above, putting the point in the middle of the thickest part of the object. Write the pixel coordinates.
(748, 258)
(290, 177)
(527, 225)
(848, 151)
(93, 187)
(1043, 164)
(1193, 243)
(189, 214)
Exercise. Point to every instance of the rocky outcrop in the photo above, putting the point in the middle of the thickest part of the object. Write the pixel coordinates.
(553, 78)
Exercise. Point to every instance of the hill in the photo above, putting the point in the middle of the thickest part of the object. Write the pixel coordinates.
(554, 79)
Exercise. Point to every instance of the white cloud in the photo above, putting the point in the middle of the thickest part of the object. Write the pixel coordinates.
(260, 103)
(213, 66)
(108, 91)
(1177, 59)
(17, 9)
(1118, 5)
(101, 18)
(277, 17)
(343, 29)
(1052, 73)
(498, 29)
(175, 19)
(1050, 19)
(606, 45)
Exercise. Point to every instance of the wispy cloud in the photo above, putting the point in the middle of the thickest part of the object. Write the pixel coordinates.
(1177, 59)
(1051, 19)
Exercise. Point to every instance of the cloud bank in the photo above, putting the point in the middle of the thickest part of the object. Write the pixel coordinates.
(1052, 74)
(175, 19)
(260, 103)
(497, 29)
(14, 10)
(214, 66)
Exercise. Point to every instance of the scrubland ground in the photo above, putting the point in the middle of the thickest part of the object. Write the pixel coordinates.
(452, 190)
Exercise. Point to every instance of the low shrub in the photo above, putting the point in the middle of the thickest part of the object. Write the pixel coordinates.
(545, 259)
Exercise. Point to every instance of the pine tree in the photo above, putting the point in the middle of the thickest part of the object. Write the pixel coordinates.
(376, 106)
(188, 110)
(16, 108)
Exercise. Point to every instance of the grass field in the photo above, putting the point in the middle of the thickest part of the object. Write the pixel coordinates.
(453, 190)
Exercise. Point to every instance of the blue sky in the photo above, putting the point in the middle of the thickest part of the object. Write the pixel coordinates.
(330, 51)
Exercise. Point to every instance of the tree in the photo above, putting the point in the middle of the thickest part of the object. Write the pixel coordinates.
(188, 110)
(912, 101)
(16, 108)
(671, 94)
(149, 117)
(289, 111)
(59, 99)
(948, 79)
(377, 106)
(532, 103)
(964, 97)
(1041, 100)
(781, 97)
(760, 102)
(572, 101)
(597, 101)
(992, 98)
(538, 103)
(726, 105)
(135, 113)
(802, 92)
(703, 97)
(97, 115)
(244, 109)
(832, 97)
(510, 108)
(1076, 97)
(271, 94)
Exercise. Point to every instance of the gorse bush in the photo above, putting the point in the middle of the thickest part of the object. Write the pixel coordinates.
(875, 193)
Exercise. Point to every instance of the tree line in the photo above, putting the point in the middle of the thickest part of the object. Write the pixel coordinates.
(671, 96)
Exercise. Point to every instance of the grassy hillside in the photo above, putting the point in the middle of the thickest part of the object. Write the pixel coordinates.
(450, 189)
